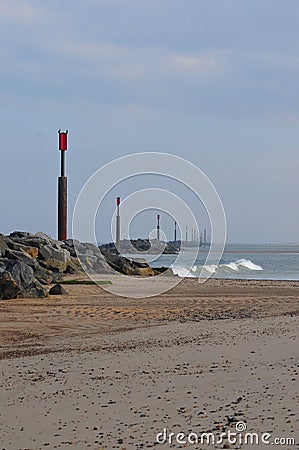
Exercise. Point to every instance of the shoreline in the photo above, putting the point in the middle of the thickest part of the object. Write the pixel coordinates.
(244, 250)
(295, 280)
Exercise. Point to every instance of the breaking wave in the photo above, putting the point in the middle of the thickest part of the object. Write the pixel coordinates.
(240, 267)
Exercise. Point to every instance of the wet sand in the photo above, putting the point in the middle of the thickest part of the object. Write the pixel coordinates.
(91, 370)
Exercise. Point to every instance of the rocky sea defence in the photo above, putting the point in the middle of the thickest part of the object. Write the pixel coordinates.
(129, 246)
(30, 263)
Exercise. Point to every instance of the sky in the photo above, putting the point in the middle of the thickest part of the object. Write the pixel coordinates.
(215, 82)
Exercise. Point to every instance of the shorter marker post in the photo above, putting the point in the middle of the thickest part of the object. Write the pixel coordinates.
(158, 227)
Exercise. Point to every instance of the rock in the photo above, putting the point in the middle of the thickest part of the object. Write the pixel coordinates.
(74, 266)
(145, 271)
(20, 234)
(32, 242)
(47, 239)
(129, 267)
(28, 250)
(17, 280)
(37, 240)
(42, 235)
(90, 257)
(35, 290)
(167, 271)
(8, 286)
(45, 276)
(101, 266)
(54, 259)
(3, 246)
(21, 256)
(32, 251)
(69, 246)
(22, 274)
(57, 290)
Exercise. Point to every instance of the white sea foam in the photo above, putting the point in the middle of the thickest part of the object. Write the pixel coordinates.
(248, 264)
(184, 272)
(240, 266)
(233, 266)
(211, 268)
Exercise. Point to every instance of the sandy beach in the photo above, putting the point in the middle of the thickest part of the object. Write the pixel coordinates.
(92, 370)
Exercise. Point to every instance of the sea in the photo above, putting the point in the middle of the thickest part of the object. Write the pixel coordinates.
(239, 261)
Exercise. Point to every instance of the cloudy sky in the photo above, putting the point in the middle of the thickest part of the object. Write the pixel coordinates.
(214, 81)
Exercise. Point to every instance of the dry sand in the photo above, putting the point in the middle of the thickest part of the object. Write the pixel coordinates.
(91, 370)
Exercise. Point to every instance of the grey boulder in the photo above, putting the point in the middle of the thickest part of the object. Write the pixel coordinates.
(17, 280)
(54, 258)
(3, 246)
(57, 290)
